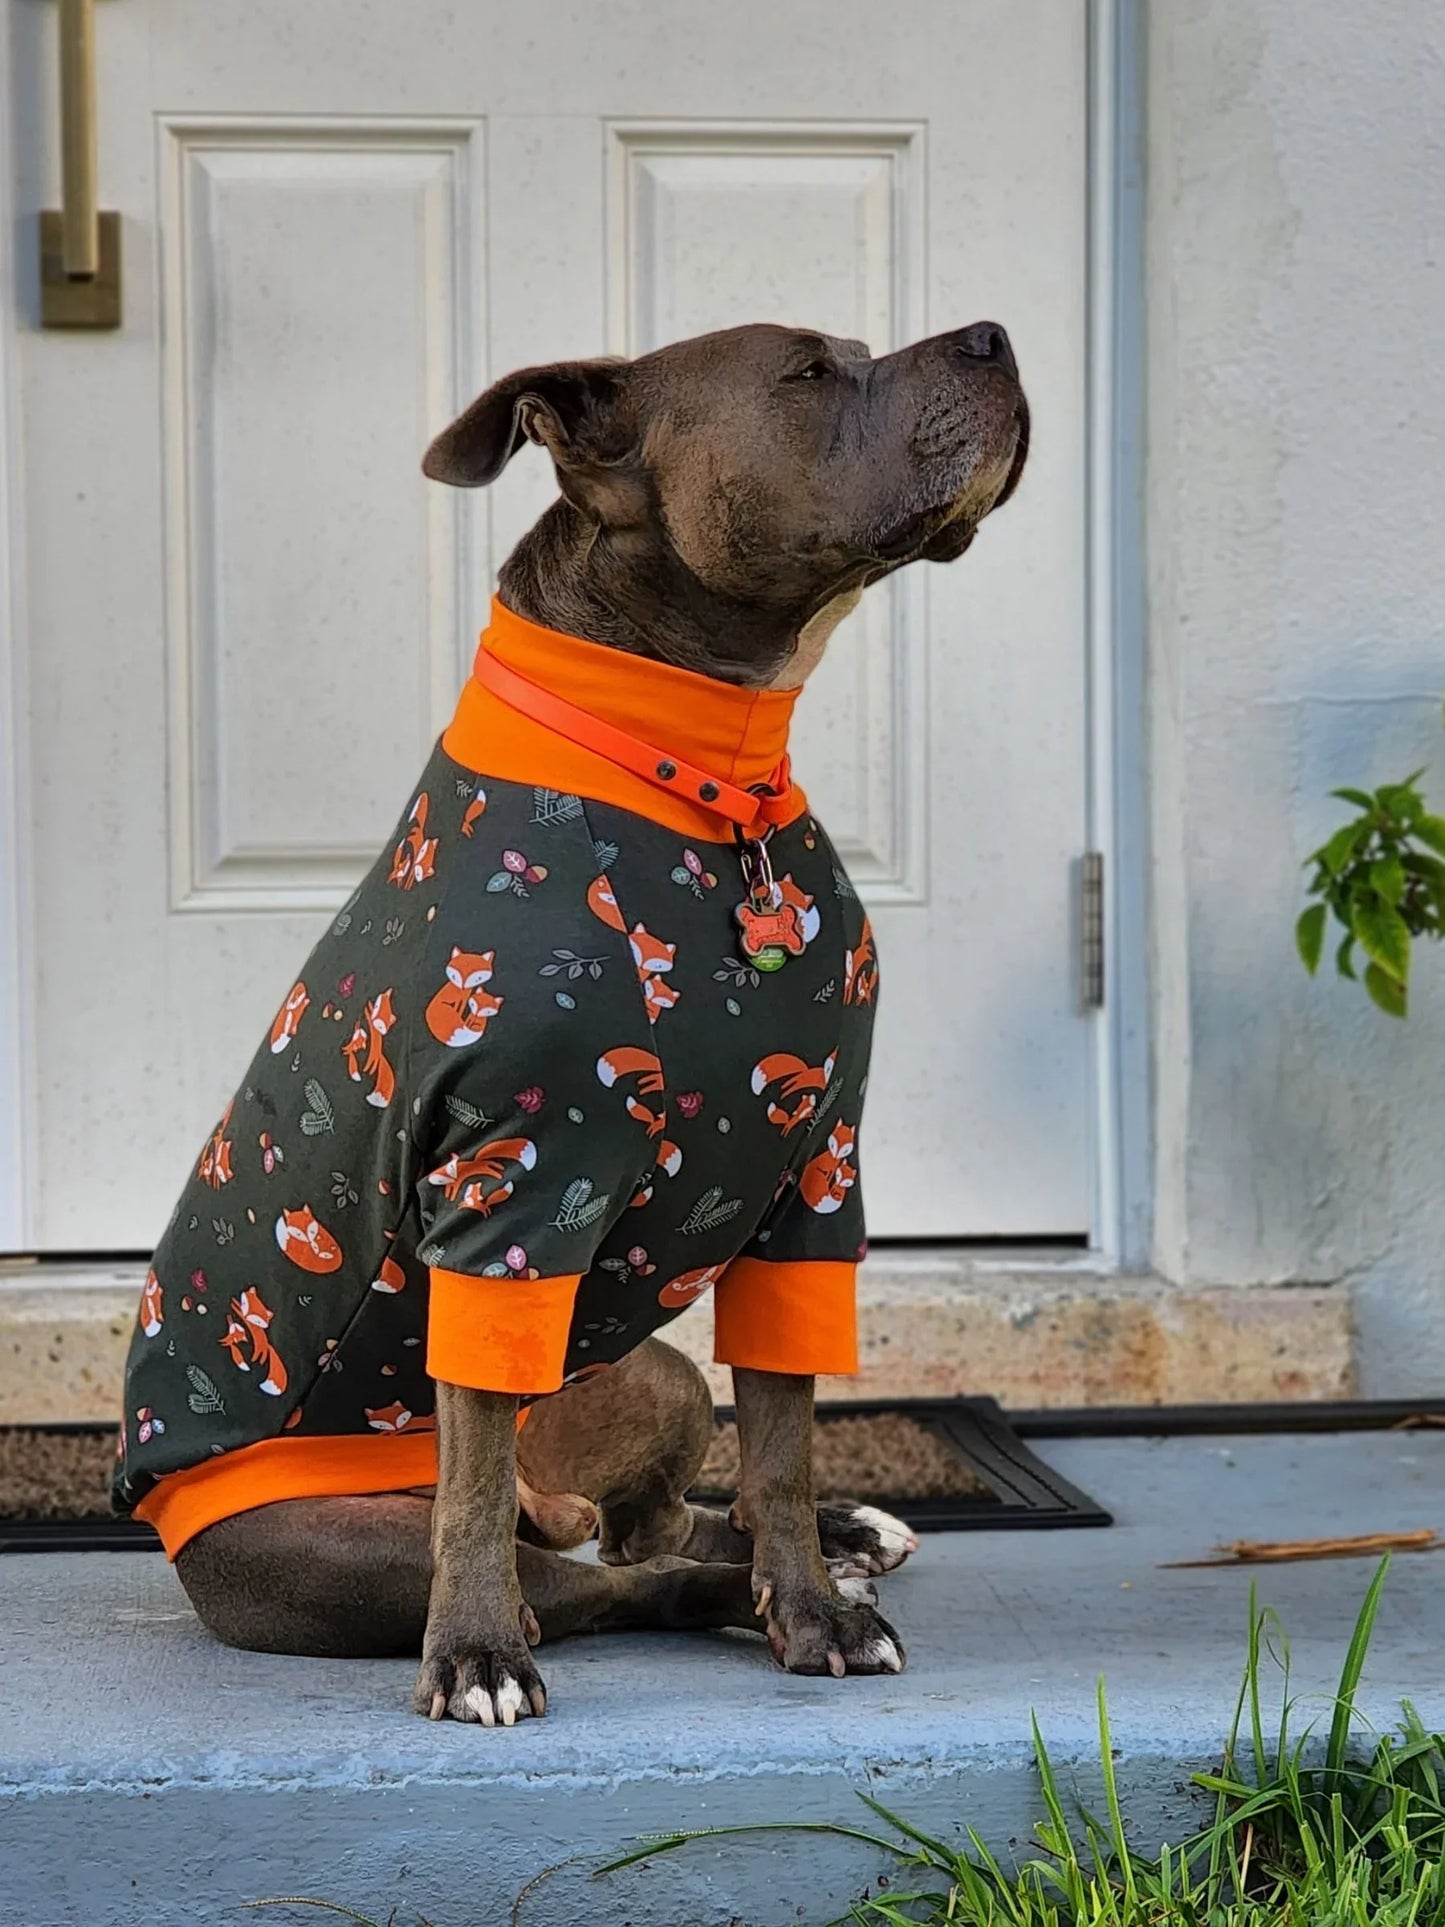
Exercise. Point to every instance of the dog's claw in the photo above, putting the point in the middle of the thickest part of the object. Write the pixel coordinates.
(537, 1700)
(837, 1665)
(438, 1706)
(531, 1631)
(765, 1599)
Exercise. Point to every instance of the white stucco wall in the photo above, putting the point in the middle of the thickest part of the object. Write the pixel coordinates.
(1295, 475)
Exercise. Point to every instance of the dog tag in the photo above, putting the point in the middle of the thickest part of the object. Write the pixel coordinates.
(767, 931)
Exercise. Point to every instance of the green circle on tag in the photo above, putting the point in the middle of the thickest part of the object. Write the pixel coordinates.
(771, 957)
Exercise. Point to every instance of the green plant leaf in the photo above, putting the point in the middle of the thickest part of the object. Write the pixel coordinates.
(1383, 934)
(1342, 959)
(1309, 936)
(1387, 877)
(1361, 799)
(1341, 847)
(1431, 830)
(1385, 991)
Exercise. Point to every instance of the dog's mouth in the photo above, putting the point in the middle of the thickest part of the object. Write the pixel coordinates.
(942, 533)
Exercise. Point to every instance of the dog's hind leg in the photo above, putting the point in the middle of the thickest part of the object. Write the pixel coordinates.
(349, 1578)
(633, 1440)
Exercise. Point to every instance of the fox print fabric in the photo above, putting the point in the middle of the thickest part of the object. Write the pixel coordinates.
(528, 1060)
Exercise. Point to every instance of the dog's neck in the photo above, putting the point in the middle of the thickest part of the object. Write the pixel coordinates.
(640, 597)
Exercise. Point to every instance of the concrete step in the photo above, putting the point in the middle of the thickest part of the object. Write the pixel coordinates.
(150, 1776)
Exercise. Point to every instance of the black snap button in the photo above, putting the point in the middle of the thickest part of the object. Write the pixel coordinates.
(667, 771)
(708, 792)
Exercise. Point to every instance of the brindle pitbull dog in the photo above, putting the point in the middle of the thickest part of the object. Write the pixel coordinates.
(724, 502)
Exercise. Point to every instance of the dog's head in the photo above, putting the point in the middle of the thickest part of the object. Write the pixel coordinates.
(760, 476)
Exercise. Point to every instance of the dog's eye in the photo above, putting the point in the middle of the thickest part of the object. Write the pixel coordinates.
(814, 371)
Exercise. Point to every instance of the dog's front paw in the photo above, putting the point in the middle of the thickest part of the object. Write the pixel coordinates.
(829, 1629)
(489, 1682)
(863, 1538)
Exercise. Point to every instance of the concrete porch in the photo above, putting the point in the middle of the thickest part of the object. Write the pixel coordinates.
(148, 1775)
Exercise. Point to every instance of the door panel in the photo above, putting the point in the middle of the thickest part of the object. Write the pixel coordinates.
(247, 615)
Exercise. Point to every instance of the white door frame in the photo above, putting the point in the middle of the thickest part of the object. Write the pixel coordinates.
(17, 291)
(1116, 803)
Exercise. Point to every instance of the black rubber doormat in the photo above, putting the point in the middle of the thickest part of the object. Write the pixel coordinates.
(943, 1465)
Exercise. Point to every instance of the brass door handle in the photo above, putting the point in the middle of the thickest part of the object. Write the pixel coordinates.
(79, 245)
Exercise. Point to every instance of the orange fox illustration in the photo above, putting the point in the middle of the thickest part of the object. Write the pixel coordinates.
(306, 1241)
(797, 1080)
(809, 919)
(461, 1009)
(288, 1017)
(652, 958)
(689, 1285)
(369, 1037)
(471, 1181)
(215, 1164)
(475, 809)
(394, 1418)
(602, 903)
(828, 1178)
(152, 1301)
(628, 1061)
(249, 1324)
(415, 858)
(390, 1279)
(860, 969)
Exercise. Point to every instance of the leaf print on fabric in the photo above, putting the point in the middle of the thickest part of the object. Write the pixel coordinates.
(741, 973)
(321, 1117)
(205, 1395)
(606, 853)
(580, 1206)
(468, 1114)
(414, 860)
(830, 1098)
(515, 874)
(691, 874)
(843, 885)
(564, 1001)
(710, 1211)
(825, 995)
(555, 806)
(342, 1190)
(574, 966)
(225, 1231)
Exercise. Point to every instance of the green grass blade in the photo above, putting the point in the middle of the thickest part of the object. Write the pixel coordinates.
(1339, 1740)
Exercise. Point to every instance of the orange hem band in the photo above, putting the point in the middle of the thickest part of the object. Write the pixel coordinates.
(182, 1504)
(738, 735)
(499, 1334)
(780, 1317)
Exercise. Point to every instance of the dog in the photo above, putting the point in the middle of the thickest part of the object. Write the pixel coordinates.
(590, 1040)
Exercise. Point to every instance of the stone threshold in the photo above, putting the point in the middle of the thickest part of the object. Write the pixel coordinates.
(1031, 1329)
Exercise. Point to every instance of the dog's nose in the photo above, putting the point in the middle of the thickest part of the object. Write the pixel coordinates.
(986, 341)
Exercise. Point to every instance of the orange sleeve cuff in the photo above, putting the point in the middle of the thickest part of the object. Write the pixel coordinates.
(499, 1334)
(780, 1317)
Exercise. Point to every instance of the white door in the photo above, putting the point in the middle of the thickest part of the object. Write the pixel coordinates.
(244, 615)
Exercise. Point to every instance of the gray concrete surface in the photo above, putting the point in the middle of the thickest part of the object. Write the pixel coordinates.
(150, 1776)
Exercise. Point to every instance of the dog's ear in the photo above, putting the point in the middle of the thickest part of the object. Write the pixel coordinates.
(569, 407)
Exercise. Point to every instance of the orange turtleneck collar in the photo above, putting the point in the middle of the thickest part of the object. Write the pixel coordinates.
(738, 737)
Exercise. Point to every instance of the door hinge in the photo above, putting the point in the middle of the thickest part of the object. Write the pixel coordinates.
(1091, 930)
